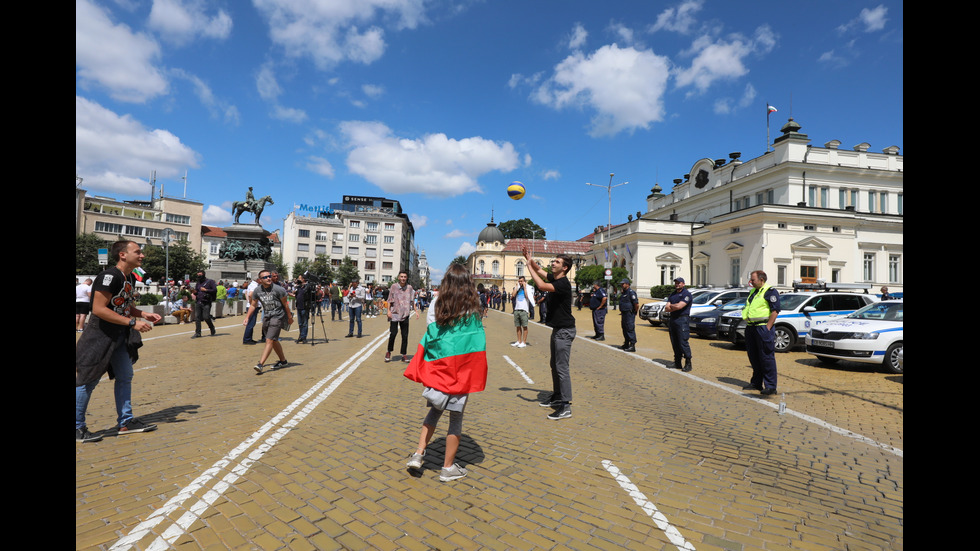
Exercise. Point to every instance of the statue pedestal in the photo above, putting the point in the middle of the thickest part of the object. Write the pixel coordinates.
(248, 236)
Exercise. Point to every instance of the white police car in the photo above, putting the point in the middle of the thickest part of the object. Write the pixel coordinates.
(872, 334)
(799, 313)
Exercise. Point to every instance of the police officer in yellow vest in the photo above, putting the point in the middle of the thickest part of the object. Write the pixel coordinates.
(759, 315)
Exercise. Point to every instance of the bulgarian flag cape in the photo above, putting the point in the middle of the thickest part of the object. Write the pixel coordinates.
(452, 358)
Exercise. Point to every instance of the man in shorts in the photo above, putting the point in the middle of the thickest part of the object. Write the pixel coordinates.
(523, 295)
(275, 314)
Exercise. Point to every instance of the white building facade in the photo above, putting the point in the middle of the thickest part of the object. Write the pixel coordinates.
(799, 213)
(372, 231)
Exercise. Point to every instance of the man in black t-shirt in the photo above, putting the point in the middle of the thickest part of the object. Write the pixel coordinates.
(559, 318)
(107, 344)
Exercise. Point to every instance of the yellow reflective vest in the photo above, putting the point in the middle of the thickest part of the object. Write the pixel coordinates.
(756, 308)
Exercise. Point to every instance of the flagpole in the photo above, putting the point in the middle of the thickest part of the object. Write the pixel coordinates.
(769, 110)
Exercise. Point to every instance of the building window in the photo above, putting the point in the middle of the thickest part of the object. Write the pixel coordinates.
(178, 219)
(354, 237)
(808, 274)
(386, 266)
(389, 226)
(214, 248)
(781, 275)
(303, 233)
(303, 247)
(869, 266)
(106, 227)
(809, 227)
(355, 224)
(388, 252)
(496, 268)
(835, 276)
(872, 201)
(338, 237)
(369, 264)
(520, 268)
(319, 249)
(337, 249)
(735, 271)
(389, 239)
(353, 251)
(481, 266)
(901, 204)
(370, 252)
(370, 239)
(372, 226)
(321, 236)
(894, 268)
(883, 202)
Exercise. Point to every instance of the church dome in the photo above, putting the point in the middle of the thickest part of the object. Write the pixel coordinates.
(491, 233)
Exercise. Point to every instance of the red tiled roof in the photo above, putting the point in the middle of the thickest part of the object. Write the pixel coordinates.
(539, 246)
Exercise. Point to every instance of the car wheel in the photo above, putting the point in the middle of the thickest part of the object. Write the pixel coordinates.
(783, 338)
(891, 358)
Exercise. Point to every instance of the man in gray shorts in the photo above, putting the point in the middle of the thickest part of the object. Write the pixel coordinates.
(522, 296)
(276, 314)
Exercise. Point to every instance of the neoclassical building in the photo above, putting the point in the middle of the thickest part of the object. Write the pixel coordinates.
(499, 262)
(798, 212)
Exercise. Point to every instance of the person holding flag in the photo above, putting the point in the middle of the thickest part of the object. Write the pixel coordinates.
(451, 363)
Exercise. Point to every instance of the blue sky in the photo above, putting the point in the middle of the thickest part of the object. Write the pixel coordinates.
(442, 103)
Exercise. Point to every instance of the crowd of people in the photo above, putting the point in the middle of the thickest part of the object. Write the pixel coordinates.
(450, 362)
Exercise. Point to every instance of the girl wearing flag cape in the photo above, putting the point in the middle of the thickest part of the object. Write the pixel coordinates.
(451, 362)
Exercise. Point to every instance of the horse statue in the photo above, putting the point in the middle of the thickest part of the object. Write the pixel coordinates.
(238, 207)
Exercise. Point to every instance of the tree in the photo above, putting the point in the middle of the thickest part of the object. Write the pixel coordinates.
(459, 260)
(321, 268)
(586, 275)
(184, 262)
(347, 272)
(87, 247)
(521, 229)
(280, 266)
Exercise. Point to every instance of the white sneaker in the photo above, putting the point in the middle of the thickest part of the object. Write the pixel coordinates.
(515, 343)
(522, 345)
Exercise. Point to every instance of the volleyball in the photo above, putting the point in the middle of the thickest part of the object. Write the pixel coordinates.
(516, 190)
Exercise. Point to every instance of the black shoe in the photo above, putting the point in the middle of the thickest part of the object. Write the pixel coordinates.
(600, 338)
(300, 341)
(751, 387)
(83, 435)
(630, 349)
(677, 363)
(348, 335)
(250, 341)
(564, 412)
(687, 365)
(550, 402)
(134, 426)
(212, 332)
(768, 392)
(196, 336)
(280, 363)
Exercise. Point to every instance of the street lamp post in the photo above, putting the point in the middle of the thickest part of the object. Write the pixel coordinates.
(609, 189)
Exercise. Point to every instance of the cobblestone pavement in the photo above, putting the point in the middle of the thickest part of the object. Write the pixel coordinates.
(312, 456)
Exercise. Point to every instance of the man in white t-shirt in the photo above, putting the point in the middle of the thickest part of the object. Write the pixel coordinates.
(523, 295)
(250, 324)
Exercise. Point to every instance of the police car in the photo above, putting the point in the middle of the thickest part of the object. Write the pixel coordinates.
(873, 334)
(653, 311)
(800, 311)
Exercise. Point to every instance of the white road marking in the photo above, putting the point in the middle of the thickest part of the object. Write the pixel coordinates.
(519, 370)
(183, 523)
(648, 507)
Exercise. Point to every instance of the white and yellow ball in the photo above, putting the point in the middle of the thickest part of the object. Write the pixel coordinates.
(516, 190)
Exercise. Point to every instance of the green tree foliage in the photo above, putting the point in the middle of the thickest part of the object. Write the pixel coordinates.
(459, 260)
(280, 266)
(521, 229)
(347, 272)
(585, 275)
(184, 261)
(322, 268)
(87, 247)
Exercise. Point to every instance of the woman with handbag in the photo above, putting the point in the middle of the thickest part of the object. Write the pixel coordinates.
(451, 363)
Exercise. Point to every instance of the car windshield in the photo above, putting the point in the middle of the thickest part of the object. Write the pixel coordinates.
(887, 311)
(705, 298)
(736, 304)
(790, 301)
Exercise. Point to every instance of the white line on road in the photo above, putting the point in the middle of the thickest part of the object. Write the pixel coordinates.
(519, 370)
(174, 531)
(648, 507)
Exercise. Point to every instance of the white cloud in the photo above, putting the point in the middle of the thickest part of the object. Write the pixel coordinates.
(680, 19)
(624, 87)
(114, 57)
(115, 153)
(320, 166)
(723, 59)
(456, 233)
(269, 90)
(433, 164)
(219, 108)
(330, 32)
(180, 21)
(216, 216)
(465, 249)
(551, 175)
(418, 220)
(871, 20)
(578, 36)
